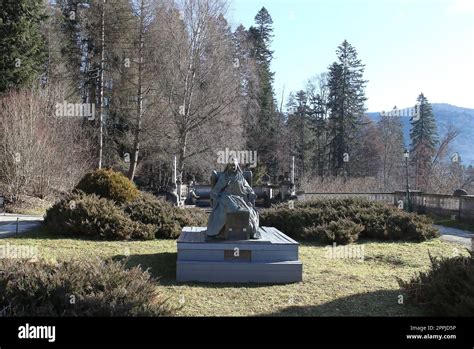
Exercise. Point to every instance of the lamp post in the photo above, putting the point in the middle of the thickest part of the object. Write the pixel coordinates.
(408, 208)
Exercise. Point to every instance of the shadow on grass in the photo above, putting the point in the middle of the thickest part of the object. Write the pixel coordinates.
(161, 266)
(378, 303)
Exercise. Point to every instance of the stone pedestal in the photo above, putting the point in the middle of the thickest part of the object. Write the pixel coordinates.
(271, 259)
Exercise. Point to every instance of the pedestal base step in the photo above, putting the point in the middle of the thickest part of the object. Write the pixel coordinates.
(271, 259)
(280, 272)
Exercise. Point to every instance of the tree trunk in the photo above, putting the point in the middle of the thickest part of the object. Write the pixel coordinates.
(136, 139)
(182, 155)
(101, 96)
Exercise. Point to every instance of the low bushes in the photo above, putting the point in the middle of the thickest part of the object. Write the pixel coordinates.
(320, 220)
(167, 219)
(342, 231)
(107, 205)
(144, 218)
(447, 289)
(403, 226)
(109, 184)
(77, 288)
(91, 216)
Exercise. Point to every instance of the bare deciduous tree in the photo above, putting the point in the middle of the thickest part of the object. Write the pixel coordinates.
(197, 86)
(40, 153)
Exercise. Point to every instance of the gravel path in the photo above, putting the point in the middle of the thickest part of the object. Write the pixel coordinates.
(457, 235)
(9, 222)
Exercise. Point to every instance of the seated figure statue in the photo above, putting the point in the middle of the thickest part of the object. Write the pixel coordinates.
(233, 206)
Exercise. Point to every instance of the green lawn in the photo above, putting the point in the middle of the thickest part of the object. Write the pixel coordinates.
(331, 287)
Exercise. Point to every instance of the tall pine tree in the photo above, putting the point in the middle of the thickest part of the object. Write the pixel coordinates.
(264, 133)
(346, 105)
(22, 46)
(300, 126)
(424, 138)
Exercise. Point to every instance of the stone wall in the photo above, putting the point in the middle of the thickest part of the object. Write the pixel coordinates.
(388, 198)
(466, 210)
(462, 207)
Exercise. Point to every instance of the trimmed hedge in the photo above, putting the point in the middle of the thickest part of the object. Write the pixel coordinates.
(91, 216)
(167, 219)
(144, 218)
(77, 288)
(342, 231)
(320, 220)
(109, 184)
(447, 289)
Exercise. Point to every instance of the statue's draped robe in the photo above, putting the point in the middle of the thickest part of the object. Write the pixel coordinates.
(231, 193)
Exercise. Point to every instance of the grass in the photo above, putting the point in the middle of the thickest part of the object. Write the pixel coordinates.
(331, 287)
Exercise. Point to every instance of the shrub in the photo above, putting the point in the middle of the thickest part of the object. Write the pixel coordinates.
(317, 218)
(409, 226)
(92, 216)
(144, 218)
(167, 219)
(110, 185)
(98, 288)
(291, 221)
(192, 217)
(375, 224)
(447, 289)
(342, 231)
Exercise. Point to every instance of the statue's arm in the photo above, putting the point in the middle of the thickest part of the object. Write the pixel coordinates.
(250, 193)
(248, 188)
(220, 185)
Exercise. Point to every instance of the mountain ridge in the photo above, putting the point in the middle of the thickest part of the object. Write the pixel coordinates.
(445, 114)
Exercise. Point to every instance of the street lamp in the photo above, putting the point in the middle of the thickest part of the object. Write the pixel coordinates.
(406, 155)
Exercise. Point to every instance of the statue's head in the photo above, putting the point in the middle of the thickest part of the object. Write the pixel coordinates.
(232, 166)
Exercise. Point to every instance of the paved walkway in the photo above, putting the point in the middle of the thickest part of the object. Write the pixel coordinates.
(8, 223)
(457, 235)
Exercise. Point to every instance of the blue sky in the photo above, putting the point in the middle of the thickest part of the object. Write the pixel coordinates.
(408, 46)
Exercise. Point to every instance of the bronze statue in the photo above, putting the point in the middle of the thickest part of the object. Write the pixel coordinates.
(233, 215)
